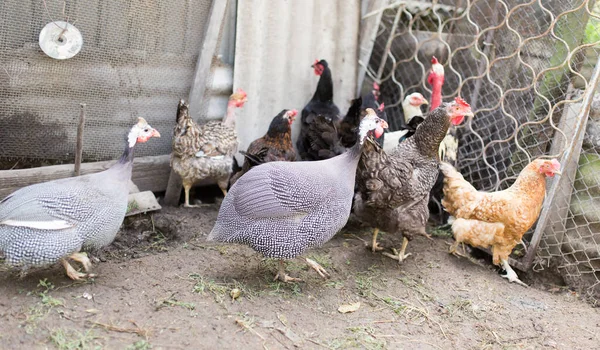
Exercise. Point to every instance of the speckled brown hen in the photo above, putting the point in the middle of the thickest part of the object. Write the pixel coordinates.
(393, 189)
(496, 219)
(205, 151)
(275, 145)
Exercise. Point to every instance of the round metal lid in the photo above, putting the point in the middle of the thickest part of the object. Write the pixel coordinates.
(60, 40)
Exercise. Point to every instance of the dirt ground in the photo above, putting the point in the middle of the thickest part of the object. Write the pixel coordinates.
(160, 285)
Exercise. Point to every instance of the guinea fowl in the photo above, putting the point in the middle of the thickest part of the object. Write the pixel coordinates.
(393, 189)
(205, 151)
(318, 137)
(275, 145)
(281, 209)
(53, 221)
(413, 116)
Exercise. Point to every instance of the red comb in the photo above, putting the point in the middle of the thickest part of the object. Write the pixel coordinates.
(316, 61)
(434, 60)
(376, 86)
(292, 112)
(241, 91)
(555, 164)
(461, 102)
(381, 107)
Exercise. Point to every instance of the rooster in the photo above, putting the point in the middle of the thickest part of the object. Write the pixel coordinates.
(205, 151)
(393, 189)
(275, 145)
(318, 137)
(498, 219)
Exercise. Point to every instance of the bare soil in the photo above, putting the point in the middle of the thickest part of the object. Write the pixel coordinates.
(160, 285)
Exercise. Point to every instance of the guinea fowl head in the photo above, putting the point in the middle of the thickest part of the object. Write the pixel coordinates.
(371, 124)
(457, 110)
(141, 132)
(548, 167)
(319, 66)
(238, 98)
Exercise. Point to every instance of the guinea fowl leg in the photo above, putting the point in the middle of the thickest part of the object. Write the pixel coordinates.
(320, 270)
(511, 275)
(71, 272)
(283, 276)
(401, 255)
(374, 246)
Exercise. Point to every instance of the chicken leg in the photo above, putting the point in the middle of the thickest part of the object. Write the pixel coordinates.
(511, 275)
(320, 270)
(186, 189)
(401, 255)
(283, 276)
(374, 246)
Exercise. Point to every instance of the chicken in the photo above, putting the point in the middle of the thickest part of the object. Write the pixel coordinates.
(275, 145)
(357, 111)
(53, 221)
(393, 189)
(497, 219)
(318, 137)
(205, 151)
(413, 116)
(281, 209)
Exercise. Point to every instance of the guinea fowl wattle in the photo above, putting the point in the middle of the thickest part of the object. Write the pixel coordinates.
(51, 221)
(281, 209)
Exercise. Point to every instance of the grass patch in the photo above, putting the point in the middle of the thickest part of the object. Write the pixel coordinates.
(172, 301)
(41, 309)
(220, 290)
(361, 337)
(69, 339)
(140, 345)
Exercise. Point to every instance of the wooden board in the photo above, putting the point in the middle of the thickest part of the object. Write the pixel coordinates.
(149, 174)
(142, 202)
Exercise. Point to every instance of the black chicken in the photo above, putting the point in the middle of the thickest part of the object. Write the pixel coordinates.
(318, 137)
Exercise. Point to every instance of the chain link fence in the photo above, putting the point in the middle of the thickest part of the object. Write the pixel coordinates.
(526, 69)
(138, 59)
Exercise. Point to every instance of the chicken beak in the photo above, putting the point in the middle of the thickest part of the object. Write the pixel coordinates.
(557, 172)
(155, 133)
(425, 102)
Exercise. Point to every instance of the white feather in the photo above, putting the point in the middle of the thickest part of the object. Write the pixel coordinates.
(391, 139)
(40, 225)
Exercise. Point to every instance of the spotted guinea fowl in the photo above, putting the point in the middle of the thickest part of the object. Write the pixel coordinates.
(51, 221)
(281, 209)
(205, 151)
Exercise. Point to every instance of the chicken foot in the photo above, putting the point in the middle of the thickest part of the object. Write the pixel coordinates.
(454, 251)
(320, 270)
(283, 276)
(374, 245)
(401, 255)
(511, 275)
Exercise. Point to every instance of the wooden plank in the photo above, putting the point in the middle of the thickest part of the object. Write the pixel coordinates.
(149, 174)
(79, 146)
(197, 93)
(141, 202)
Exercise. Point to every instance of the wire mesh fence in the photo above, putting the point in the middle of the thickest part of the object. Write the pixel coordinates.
(138, 59)
(525, 67)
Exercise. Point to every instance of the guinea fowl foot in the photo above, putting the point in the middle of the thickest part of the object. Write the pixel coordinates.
(283, 276)
(71, 272)
(320, 270)
(511, 275)
(401, 255)
(83, 259)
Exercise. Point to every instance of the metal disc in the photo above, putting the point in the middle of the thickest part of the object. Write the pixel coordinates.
(60, 40)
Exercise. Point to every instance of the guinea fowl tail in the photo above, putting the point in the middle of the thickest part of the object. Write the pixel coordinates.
(456, 189)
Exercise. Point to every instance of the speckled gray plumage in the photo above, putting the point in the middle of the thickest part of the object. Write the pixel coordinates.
(281, 209)
(94, 205)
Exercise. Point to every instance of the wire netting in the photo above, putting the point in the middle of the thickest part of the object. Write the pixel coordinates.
(138, 59)
(524, 66)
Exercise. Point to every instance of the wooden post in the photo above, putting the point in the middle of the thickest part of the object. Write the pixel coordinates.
(79, 147)
(198, 90)
(368, 33)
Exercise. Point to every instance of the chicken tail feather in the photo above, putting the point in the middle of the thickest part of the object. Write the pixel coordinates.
(458, 192)
(476, 233)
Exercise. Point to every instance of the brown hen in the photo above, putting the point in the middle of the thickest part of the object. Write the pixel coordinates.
(275, 145)
(497, 219)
